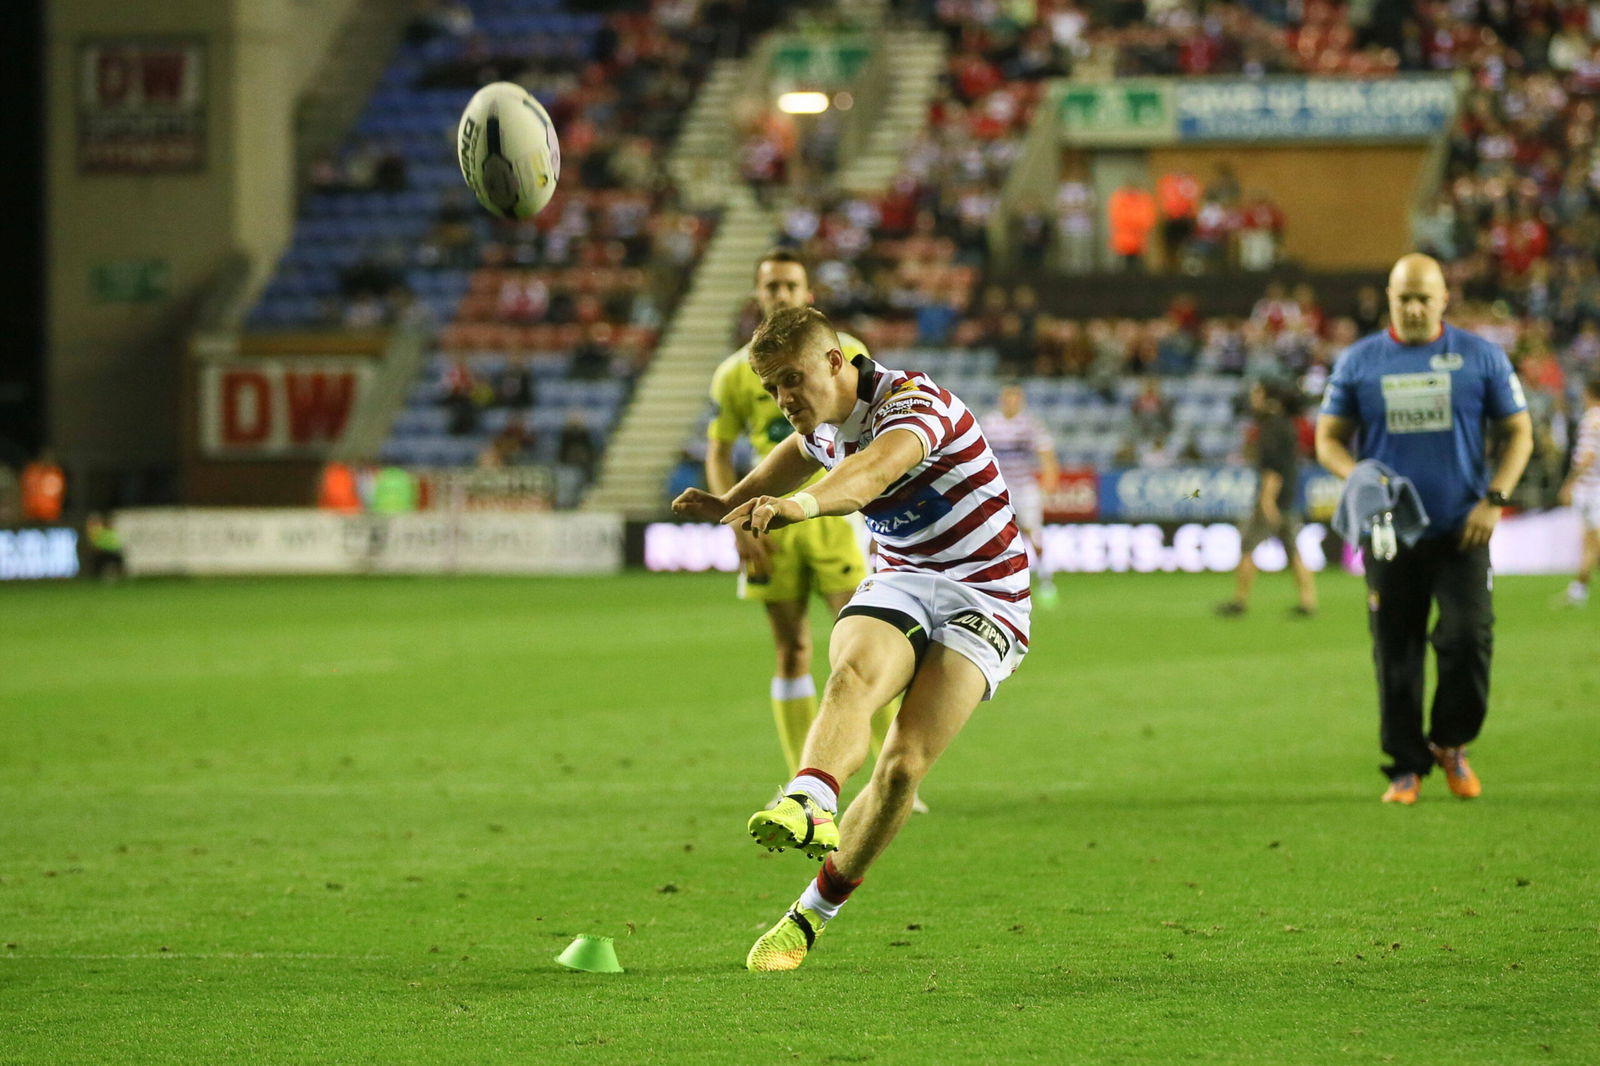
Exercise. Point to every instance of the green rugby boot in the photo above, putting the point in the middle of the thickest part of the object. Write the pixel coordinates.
(796, 822)
(784, 946)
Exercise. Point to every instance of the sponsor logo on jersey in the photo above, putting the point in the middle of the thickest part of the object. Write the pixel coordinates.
(901, 517)
(905, 405)
(1447, 361)
(990, 633)
(1417, 403)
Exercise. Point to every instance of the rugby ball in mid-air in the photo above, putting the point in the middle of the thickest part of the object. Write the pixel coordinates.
(509, 152)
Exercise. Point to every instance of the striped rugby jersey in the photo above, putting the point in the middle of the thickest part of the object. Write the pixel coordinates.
(1016, 443)
(1588, 445)
(950, 515)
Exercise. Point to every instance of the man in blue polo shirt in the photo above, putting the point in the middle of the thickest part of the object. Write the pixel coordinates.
(1416, 397)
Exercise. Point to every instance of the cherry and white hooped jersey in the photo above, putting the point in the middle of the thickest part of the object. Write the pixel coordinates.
(1588, 445)
(950, 515)
(1016, 443)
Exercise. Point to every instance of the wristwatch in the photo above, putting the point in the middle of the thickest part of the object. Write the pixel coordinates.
(1496, 498)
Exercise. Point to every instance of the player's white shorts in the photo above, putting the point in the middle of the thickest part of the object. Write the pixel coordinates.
(1028, 502)
(1587, 504)
(991, 632)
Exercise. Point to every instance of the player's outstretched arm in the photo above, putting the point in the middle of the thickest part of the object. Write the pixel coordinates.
(784, 469)
(850, 486)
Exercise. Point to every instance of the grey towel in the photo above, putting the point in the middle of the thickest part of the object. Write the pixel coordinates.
(1379, 507)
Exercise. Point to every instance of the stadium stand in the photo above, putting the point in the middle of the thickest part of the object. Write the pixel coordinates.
(1516, 220)
(541, 326)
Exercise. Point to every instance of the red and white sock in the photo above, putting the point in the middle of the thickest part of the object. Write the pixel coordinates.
(819, 785)
(828, 891)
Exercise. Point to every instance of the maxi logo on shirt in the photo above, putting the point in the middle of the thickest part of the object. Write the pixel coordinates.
(1417, 403)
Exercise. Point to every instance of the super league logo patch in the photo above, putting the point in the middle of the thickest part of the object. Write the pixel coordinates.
(986, 630)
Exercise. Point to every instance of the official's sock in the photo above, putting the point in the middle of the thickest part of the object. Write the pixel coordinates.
(794, 706)
(818, 784)
(828, 891)
(882, 718)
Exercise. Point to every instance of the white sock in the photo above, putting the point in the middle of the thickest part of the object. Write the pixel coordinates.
(816, 788)
(812, 899)
(1577, 591)
(793, 688)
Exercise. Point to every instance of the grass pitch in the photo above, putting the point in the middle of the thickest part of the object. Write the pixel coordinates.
(354, 821)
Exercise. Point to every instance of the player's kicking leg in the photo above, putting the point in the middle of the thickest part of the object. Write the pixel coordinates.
(945, 690)
(882, 718)
(871, 662)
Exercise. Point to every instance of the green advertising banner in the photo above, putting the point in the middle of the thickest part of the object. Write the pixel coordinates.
(818, 64)
(1121, 112)
(131, 281)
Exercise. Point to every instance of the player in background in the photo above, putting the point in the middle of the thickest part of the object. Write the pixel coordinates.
(781, 571)
(1277, 446)
(1026, 455)
(1581, 490)
(1417, 398)
(944, 619)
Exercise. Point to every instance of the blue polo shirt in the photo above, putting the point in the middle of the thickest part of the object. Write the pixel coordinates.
(1421, 410)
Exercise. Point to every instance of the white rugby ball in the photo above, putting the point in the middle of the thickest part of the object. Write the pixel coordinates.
(509, 152)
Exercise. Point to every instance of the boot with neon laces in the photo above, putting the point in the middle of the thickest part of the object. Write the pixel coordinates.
(1403, 788)
(1457, 771)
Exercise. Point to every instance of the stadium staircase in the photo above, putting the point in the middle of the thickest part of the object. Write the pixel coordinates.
(672, 392)
(702, 160)
(919, 59)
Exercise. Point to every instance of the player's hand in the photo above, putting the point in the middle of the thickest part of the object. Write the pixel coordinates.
(764, 514)
(1564, 496)
(755, 554)
(1480, 523)
(698, 503)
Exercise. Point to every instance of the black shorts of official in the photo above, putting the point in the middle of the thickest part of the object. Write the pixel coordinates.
(1401, 595)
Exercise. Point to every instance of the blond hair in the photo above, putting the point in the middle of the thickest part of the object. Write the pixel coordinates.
(791, 331)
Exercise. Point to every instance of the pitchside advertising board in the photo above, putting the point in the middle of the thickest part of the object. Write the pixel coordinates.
(1543, 543)
(37, 554)
(165, 541)
(1178, 494)
(259, 408)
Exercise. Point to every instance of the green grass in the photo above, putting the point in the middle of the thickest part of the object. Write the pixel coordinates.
(354, 821)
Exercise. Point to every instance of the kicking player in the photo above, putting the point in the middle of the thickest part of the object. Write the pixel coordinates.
(1416, 397)
(1026, 456)
(1581, 490)
(782, 570)
(944, 620)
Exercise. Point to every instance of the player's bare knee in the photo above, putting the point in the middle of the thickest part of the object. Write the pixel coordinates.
(850, 685)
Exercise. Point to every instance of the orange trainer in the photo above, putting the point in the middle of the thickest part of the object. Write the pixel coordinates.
(1403, 789)
(1457, 771)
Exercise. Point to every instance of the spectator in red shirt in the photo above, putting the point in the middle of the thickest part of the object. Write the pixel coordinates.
(1260, 230)
(1179, 196)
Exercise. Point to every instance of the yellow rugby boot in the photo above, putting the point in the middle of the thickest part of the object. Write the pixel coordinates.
(784, 946)
(796, 822)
